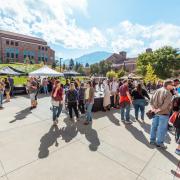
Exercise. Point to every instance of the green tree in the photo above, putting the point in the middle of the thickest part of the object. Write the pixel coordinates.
(87, 65)
(111, 74)
(120, 73)
(150, 74)
(80, 69)
(94, 68)
(163, 60)
(71, 64)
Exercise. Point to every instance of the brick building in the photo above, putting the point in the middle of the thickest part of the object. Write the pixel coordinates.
(120, 61)
(16, 48)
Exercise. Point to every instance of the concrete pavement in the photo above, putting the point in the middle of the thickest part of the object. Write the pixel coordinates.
(30, 148)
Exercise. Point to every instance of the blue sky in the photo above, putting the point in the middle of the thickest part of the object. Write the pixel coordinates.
(77, 27)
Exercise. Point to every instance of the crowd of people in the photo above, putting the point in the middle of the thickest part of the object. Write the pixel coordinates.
(78, 97)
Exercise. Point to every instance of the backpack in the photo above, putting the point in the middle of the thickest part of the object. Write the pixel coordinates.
(72, 97)
(177, 122)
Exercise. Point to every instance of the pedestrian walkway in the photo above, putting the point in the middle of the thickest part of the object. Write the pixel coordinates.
(30, 148)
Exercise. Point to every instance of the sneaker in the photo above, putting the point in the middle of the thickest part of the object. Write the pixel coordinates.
(161, 146)
(177, 151)
(122, 120)
(152, 143)
(55, 123)
(1, 108)
(128, 122)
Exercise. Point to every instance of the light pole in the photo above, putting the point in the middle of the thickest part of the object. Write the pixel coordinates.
(60, 63)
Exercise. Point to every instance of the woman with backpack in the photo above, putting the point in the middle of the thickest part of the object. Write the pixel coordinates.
(139, 101)
(57, 101)
(175, 120)
(72, 100)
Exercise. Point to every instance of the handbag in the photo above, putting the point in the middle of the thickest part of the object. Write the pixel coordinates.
(146, 102)
(150, 114)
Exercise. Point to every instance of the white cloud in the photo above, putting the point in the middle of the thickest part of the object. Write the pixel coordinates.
(54, 21)
(135, 38)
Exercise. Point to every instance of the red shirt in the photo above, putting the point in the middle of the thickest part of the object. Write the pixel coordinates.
(59, 94)
(123, 93)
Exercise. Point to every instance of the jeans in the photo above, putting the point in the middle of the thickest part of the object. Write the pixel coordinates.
(89, 111)
(45, 88)
(73, 106)
(159, 129)
(81, 106)
(56, 111)
(122, 110)
(139, 105)
(1, 99)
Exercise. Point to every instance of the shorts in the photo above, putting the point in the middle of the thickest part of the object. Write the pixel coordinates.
(32, 96)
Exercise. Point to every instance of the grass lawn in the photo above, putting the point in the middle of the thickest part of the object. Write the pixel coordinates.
(20, 80)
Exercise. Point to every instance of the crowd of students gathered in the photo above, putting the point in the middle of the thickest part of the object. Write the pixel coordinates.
(79, 97)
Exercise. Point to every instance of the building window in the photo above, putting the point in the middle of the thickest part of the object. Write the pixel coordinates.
(7, 54)
(39, 47)
(12, 43)
(24, 56)
(7, 42)
(16, 43)
(32, 57)
(12, 55)
(43, 48)
(39, 59)
(16, 56)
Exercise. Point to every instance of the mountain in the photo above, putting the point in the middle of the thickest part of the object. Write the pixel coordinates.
(93, 57)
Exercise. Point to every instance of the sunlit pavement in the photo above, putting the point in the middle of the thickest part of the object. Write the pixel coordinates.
(31, 149)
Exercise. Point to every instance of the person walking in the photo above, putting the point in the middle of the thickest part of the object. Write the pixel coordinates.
(81, 99)
(138, 95)
(32, 89)
(7, 89)
(114, 87)
(57, 101)
(161, 106)
(89, 103)
(107, 94)
(11, 82)
(125, 102)
(72, 100)
(45, 85)
(1, 93)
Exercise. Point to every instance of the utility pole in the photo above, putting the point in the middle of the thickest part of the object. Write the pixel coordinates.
(60, 63)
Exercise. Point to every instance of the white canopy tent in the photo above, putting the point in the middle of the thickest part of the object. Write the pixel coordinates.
(46, 71)
(8, 71)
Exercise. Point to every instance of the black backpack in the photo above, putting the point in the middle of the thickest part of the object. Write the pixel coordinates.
(72, 96)
(177, 122)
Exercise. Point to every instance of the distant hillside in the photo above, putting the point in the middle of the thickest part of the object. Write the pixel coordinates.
(93, 57)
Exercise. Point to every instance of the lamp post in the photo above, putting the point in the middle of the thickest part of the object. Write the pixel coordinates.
(60, 63)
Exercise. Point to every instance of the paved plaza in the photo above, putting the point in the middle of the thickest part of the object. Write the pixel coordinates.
(31, 149)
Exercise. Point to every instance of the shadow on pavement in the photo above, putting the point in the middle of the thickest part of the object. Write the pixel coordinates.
(21, 115)
(139, 135)
(48, 140)
(109, 114)
(67, 133)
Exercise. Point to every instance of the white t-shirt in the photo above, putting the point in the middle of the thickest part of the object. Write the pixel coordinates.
(114, 86)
